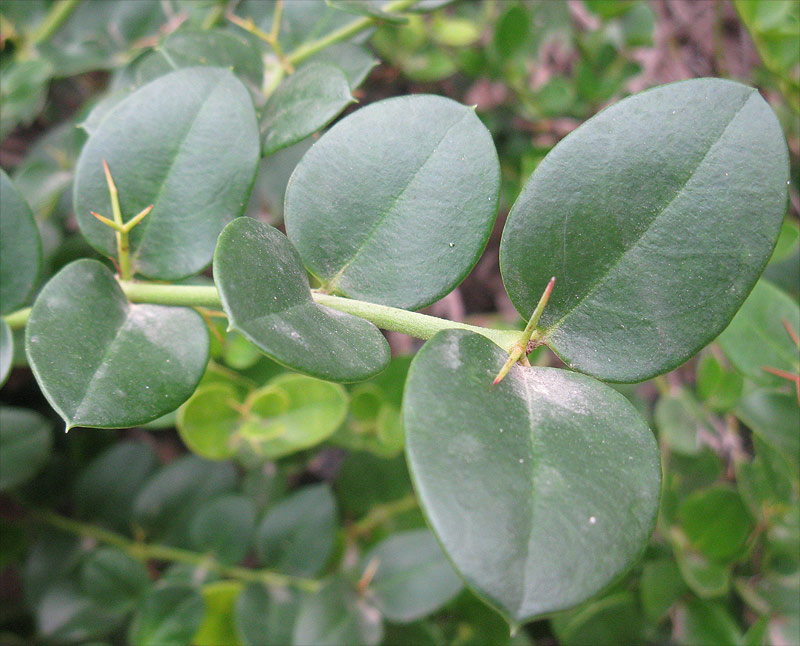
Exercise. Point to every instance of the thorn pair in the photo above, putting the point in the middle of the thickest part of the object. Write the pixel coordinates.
(117, 223)
(526, 343)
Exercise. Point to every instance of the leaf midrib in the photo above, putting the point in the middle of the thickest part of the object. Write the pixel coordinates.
(602, 279)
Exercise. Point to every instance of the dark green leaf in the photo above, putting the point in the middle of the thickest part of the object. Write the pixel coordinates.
(758, 337)
(705, 622)
(413, 578)
(716, 522)
(171, 497)
(719, 386)
(661, 586)
(186, 143)
(66, 614)
(335, 615)
(266, 199)
(25, 441)
(305, 102)
(105, 490)
(610, 621)
(224, 527)
(169, 616)
(20, 248)
(266, 296)
(23, 92)
(414, 163)
(656, 217)
(105, 363)
(537, 513)
(114, 580)
(266, 615)
(296, 536)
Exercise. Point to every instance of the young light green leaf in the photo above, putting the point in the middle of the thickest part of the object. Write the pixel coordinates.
(414, 163)
(186, 143)
(549, 514)
(656, 217)
(25, 441)
(305, 102)
(336, 615)
(218, 627)
(296, 536)
(762, 335)
(265, 293)
(20, 248)
(169, 616)
(413, 577)
(105, 363)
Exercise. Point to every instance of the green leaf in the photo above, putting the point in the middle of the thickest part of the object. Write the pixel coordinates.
(413, 577)
(717, 385)
(25, 442)
(413, 163)
(656, 217)
(513, 29)
(716, 522)
(212, 47)
(266, 615)
(615, 619)
(265, 293)
(661, 586)
(20, 248)
(104, 492)
(114, 580)
(366, 8)
(679, 419)
(335, 615)
(705, 622)
(170, 498)
(66, 614)
(705, 577)
(218, 627)
(224, 527)
(103, 362)
(169, 616)
(23, 93)
(6, 351)
(186, 143)
(758, 337)
(354, 60)
(305, 102)
(296, 536)
(536, 513)
(773, 417)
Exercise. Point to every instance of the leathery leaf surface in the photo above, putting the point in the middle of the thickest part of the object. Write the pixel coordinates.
(542, 489)
(265, 293)
(395, 203)
(656, 216)
(103, 362)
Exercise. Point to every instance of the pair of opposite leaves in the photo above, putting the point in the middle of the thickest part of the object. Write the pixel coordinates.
(656, 216)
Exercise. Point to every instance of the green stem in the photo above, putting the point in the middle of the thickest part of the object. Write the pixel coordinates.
(146, 552)
(56, 17)
(421, 326)
(307, 50)
(380, 514)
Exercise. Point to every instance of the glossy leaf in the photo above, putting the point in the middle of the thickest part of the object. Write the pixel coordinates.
(104, 492)
(103, 362)
(549, 514)
(168, 616)
(296, 536)
(415, 163)
(186, 143)
(6, 351)
(656, 217)
(305, 102)
(266, 615)
(335, 615)
(413, 577)
(25, 441)
(224, 527)
(265, 293)
(758, 337)
(20, 248)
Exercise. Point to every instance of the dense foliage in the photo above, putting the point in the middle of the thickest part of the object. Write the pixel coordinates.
(251, 461)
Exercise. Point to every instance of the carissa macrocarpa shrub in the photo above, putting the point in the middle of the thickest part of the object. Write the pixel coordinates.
(632, 246)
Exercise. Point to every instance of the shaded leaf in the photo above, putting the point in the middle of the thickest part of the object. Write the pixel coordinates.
(25, 442)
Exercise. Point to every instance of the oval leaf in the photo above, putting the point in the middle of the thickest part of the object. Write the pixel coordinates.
(169, 615)
(105, 363)
(20, 248)
(656, 217)
(541, 489)
(359, 197)
(265, 293)
(224, 527)
(413, 577)
(25, 442)
(305, 102)
(186, 143)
